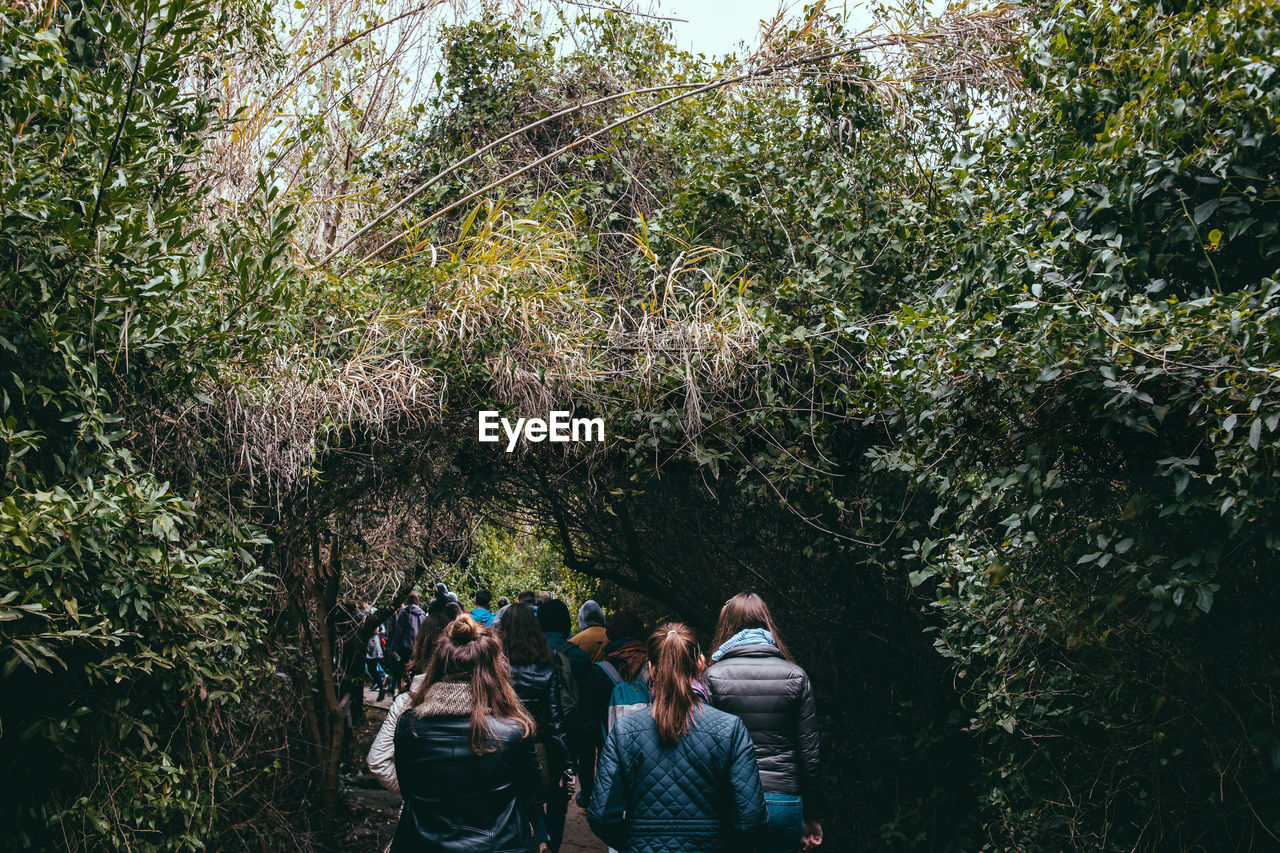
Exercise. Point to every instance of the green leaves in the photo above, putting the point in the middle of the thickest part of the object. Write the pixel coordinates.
(116, 598)
(1092, 403)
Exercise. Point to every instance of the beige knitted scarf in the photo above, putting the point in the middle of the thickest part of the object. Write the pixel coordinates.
(446, 699)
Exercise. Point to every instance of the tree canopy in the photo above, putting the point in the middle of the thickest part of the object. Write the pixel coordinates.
(953, 339)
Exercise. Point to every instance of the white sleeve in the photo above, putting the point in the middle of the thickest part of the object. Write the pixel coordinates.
(382, 754)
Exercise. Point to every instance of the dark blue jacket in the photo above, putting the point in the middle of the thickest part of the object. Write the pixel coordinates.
(702, 795)
(404, 629)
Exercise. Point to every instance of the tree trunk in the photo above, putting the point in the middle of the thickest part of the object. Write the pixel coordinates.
(313, 590)
(324, 588)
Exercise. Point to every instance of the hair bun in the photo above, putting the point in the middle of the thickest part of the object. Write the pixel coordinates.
(463, 629)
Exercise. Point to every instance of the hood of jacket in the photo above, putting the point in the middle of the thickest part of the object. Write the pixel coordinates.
(446, 699)
(440, 598)
(590, 613)
(745, 637)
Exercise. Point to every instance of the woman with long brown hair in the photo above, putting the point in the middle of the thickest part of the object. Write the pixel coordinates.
(464, 755)
(683, 775)
(754, 678)
(381, 760)
(535, 681)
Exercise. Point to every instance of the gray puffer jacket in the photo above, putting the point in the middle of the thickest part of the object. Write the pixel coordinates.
(773, 697)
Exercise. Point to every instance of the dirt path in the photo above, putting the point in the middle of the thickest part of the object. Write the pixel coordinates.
(578, 837)
(373, 812)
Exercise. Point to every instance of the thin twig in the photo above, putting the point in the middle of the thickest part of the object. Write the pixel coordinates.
(701, 89)
(124, 117)
(430, 4)
(382, 217)
(630, 12)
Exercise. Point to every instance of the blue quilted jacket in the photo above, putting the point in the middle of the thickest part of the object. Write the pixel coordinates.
(702, 795)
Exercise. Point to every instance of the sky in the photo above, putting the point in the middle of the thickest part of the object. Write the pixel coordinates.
(718, 26)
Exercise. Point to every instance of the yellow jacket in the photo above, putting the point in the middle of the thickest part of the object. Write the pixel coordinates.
(592, 641)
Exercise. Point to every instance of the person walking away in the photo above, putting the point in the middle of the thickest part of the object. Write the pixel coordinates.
(442, 598)
(442, 609)
(619, 684)
(536, 682)
(554, 618)
(481, 612)
(373, 654)
(754, 678)
(591, 636)
(424, 644)
(573, 667)
(381, 759)
(681, 775)
(404, 630)
(464, 757)
(625, 661)
(527, 597)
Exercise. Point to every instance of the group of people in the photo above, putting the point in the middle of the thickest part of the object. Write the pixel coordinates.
(501, 719)
(398, 647)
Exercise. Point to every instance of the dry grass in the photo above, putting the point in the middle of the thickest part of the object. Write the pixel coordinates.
(510, 279)
(278, 422)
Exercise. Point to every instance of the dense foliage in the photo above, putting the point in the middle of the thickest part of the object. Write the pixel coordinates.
(1092, 410)
(960, 352)
(131, 623)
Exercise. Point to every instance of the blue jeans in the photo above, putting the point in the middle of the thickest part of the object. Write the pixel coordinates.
(785, 827)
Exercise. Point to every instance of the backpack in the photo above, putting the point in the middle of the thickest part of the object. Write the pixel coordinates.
(568, 684)
(627, 696)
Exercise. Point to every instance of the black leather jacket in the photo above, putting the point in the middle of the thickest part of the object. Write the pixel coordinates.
(539, 690)
(773, 697)
(457, 801)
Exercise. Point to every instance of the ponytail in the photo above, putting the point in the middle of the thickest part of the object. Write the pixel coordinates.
(673, 656)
